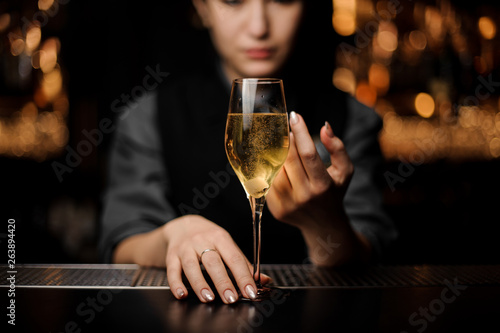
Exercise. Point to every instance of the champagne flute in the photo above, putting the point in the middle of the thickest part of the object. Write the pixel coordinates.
(256, 141)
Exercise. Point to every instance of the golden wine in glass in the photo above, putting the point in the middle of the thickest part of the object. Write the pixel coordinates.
(256, 141)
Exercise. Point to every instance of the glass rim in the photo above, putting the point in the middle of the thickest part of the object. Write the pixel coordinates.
(260, 80)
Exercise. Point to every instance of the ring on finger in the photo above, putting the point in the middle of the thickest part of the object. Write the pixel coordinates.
(205, 251)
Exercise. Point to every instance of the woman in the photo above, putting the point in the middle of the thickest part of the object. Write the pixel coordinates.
(168, 164)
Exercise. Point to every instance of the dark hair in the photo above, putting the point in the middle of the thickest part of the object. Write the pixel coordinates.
(314, 52)
(186, 44)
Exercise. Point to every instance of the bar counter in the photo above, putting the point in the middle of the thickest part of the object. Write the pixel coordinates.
(129, 298)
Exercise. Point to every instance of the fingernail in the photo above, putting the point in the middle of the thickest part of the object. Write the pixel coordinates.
(329, 130)
(293, 118)
(207, 295)
(180, 293)
(228, 294)
(251, 291)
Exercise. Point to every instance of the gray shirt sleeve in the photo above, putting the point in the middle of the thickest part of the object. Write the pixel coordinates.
(134, 201)
(364, 199)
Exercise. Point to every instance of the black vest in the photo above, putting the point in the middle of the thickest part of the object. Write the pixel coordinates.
(191, 119)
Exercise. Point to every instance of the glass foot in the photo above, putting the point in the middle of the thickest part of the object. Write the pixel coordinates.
(264, 293)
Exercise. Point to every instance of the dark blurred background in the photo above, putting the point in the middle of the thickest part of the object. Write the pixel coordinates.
(431, 69)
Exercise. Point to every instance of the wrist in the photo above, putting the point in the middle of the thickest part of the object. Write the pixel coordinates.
(333, 242)
(324, 222)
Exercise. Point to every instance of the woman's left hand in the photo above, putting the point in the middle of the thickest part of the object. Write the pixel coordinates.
(308, 195)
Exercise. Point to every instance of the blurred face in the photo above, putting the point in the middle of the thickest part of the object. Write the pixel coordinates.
(253, 37)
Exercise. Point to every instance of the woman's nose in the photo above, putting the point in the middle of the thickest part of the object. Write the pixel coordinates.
(258, 21)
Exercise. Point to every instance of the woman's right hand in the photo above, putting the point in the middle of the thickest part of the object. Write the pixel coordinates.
(186, 238)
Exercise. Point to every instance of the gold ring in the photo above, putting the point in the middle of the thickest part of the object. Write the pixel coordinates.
(205, 251)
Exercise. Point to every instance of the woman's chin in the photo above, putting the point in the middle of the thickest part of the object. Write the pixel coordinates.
(259, 69)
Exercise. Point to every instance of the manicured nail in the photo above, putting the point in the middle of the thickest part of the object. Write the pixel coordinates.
(207, 295)
(180, 293)
(228, 294)
(329, 130)
(251, 291)
(293, 118)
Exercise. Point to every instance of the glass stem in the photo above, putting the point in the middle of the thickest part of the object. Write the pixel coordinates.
(257, 205)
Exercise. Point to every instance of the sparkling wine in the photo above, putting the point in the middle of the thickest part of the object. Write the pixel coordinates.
(257, 146)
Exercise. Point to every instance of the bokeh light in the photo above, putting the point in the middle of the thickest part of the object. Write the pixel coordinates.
(344, 80)
(31, 126)
(392, 123)
(52, 84)
(379, 78)
(4, 21)
(48, 58)
(387, 40)
(424, 105)
(45, 4)
(434, 25)
(17, 46)
(366, 94)
(418, 40)
(33, 37)
(497, 122)
(495, 147)
(487, 27)
(344, 17)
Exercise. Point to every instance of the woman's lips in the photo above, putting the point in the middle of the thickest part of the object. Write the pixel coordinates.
(259, 53)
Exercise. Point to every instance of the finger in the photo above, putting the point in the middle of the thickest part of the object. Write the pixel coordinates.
(342, 166)
(282, 181)
(212, 262)
(238, 264)
(294, 167)
(174, 277)
(280, 196)
(192, 270)
(306, 149)
(264, 278)
(281, 189)
(275, 202)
